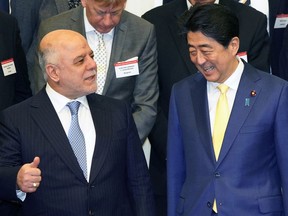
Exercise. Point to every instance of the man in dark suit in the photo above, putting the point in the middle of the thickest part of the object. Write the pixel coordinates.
(36, 152)
(129, 40)
(14, 82)
(276, 8)
(237, 168)
(174, 64)
(29, 15)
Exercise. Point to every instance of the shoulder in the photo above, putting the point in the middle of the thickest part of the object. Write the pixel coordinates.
(165, 13)
(130, 19)
(242, 10)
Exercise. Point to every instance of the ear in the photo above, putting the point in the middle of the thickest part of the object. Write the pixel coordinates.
(234, 45)
(52, 72)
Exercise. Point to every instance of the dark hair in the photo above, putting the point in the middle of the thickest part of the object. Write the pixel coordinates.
(212, 20)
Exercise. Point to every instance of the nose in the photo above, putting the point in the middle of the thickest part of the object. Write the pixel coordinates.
(92, 64)
(200, 59)
(107, 19)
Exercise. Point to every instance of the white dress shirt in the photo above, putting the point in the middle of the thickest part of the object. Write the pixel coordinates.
(59, 103)
(213, 92)
(92, 38)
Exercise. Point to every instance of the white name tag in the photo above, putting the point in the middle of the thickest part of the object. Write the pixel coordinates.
(8, 67)
(281, 21)
(243, 55)
(127, 68)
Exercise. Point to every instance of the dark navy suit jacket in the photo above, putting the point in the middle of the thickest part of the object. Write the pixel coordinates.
(250, 176)
(119, 182)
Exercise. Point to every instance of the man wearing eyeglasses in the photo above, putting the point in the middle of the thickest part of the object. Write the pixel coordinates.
(130, 57)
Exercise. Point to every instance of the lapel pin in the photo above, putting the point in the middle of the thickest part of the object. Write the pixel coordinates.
(247, 101)
(253, 93)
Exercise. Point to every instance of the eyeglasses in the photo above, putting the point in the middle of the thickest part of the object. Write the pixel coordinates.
(112, 14)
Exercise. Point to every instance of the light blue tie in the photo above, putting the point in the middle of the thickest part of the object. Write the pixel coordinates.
(76, 137)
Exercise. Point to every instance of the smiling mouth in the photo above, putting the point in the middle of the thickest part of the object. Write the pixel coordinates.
(208, 69)
(91, 78)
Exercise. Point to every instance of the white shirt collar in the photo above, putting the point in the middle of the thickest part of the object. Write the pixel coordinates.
(59, 101)
(234, 80)
(189, 4)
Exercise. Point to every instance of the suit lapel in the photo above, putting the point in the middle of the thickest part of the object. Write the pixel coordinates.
(43, 113)
(103, 126)
(118, 41)
(77, 21)
(243, 104)
(200, 104)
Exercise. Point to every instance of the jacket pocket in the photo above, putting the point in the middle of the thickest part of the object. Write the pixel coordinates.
(270, 204)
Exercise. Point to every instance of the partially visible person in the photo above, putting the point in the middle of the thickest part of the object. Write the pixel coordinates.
(130, 66)
(278, 13)
(227, 141)
(174, 64)
(14, 82)
(107, 175)
(29, 15)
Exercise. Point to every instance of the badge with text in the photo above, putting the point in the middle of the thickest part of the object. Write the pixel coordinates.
(8, 67)
(243, 55)
(127, 68)
(281, 21)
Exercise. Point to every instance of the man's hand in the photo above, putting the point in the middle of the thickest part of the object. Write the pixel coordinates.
(29, 176)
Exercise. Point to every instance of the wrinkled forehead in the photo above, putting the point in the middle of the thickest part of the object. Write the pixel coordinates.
(109, 3)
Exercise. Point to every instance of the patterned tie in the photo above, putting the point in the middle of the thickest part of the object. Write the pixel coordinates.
(76, 137)
(246, 2)
(74, 3)
(100, 58)
(220, 124)
(221, 119)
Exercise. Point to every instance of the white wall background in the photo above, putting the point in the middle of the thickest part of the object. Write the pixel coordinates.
(139, 7)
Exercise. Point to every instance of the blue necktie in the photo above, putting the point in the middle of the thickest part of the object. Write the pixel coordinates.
(76, 137)
(4, 5)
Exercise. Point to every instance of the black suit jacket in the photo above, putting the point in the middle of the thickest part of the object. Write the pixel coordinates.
(174, 64)
(119, 181)
(277, 7)
(15, 87)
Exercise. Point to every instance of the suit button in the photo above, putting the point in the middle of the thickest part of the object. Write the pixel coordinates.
(209, 205)
(91, 212)
(217, 174)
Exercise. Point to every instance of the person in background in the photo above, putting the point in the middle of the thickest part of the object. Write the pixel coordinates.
(29, 15)
(174, 64)
(67, 151)
(126, 54)
(14, 82)
(227, 141)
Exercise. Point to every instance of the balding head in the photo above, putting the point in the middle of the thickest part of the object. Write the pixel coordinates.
(68, 61)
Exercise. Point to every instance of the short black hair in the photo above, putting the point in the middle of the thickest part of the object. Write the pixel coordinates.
(212, 20)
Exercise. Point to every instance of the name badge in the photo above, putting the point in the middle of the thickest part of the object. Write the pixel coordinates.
(281, 21)
(8, 67)
(243, 55)
(127, 68)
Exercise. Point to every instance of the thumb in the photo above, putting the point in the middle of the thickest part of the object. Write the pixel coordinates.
(35, 163)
